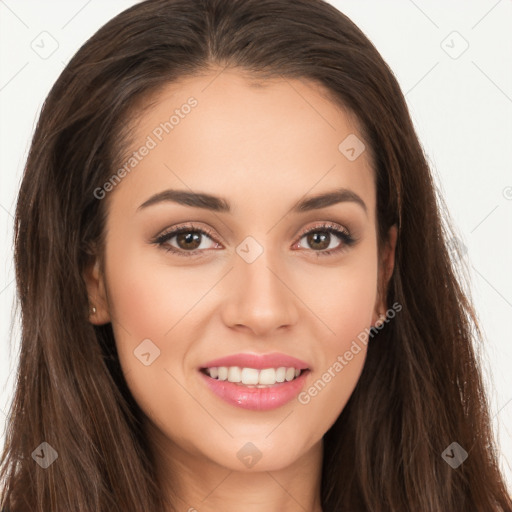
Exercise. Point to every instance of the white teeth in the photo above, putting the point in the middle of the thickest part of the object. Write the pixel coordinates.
(234, 374)
(290, 374)
(252, 376)
(267, 376)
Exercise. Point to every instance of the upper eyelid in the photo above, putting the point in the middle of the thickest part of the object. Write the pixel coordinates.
(176, 230)
(324, 225)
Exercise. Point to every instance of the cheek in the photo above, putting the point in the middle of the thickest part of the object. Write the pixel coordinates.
(345, 307)
(326, 393)
(329, 387)
(344, 299)
(147, 298)
(149, 310)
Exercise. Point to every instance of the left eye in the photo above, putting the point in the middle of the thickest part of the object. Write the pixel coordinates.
(322, 238)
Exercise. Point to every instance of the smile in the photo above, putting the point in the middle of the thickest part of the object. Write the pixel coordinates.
(252, 394)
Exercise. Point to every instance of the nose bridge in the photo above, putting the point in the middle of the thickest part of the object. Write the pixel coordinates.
(258, 297)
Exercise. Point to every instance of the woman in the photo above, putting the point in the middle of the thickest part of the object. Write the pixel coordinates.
(183, 346)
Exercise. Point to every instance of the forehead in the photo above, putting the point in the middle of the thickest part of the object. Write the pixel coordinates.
(225, 133)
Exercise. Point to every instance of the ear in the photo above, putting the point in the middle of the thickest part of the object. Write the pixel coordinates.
(387, 264)
(95, 283)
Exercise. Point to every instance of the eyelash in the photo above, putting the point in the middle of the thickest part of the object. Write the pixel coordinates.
(341, 233)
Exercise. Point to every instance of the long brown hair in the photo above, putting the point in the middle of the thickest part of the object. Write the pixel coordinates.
(421, 388)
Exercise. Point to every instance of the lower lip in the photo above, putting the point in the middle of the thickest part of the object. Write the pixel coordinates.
(256, 399)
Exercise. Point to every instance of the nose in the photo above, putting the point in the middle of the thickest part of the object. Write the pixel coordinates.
(258, 298)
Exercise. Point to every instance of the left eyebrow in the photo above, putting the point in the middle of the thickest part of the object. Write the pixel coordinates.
(220, 204)
(328, 199)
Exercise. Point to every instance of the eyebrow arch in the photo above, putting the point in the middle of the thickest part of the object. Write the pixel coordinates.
(219, 204)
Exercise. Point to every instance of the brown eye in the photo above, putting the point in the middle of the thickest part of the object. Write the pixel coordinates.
(322, 239)
(186, 240)
(319, 240)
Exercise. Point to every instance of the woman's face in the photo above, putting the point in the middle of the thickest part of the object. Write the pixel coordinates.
(244, 278)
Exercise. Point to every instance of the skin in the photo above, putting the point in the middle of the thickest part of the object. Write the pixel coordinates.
(263, 149)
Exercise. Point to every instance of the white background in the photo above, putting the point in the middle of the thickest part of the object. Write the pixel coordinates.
(461, 104)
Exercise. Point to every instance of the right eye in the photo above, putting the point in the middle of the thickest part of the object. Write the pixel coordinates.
(189, 239)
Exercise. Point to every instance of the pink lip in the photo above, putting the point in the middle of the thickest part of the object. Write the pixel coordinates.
(256, 399)
(258, 362)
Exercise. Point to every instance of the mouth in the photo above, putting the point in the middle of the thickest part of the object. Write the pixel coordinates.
(253, 377)
(258, 382)
(255, 389)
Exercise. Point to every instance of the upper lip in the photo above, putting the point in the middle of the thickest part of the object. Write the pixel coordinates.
(258, 361)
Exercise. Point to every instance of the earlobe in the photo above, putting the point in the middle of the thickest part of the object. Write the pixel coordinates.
(98, 305)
